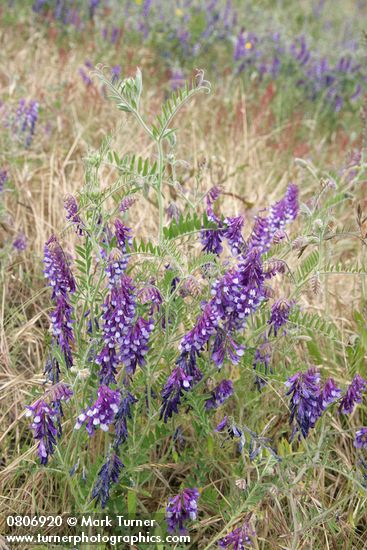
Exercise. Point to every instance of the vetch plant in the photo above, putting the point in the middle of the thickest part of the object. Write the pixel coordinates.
(156, 339)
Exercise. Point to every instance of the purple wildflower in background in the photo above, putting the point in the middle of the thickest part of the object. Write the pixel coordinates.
(127, 203)
(172, 392)
(181, 509)
(305, 405)
(71, 207)
(107, 475)
(3, 179)
(360, 441)
(122, 415)
(115, 73)
(239, 538)
(93, 5)
(220, 394)
(102, 412)
(279, 316)
(330, 393)
(20, 242)
(353, 395)
(177, 79)
(25, 120)
(44, 427)
(134, 345)
(84, 75)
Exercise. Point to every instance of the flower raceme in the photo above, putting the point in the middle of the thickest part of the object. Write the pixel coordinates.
(181, 509)
(102, 412)
(235, 296)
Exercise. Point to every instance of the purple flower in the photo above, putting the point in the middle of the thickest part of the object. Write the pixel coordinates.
(239, 538)
(108, 361)
(3, 179)
(198, 336)
(233, 234)
(181, 509)
(177, 79)
(225, 345)
(353, 395)
(122, 236)
(71, 207)
(280, 213)
(46, 424)
(102, 412)
(262, 363)
(172, 392)
(25, 120)
(62, 327)
(211, 239)
(360, 441)
(57, 269)
(52, 369)
(126, 203)
(122, 415)
(220, 394)
(107, 475)
(20, 242)
(222, 424)
(330, 393)
(119, 311)
(304, 389)
(239, 293)
(44, 427)
(115, 73)
(116, 265)
(134, 345)
(280, 311)
(84, 75)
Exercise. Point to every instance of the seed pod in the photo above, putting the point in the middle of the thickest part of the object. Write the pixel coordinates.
(315, 284)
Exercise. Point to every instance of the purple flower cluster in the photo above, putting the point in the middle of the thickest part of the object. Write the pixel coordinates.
(309, 399)
(360, 441)
(61, 280)
(102, 412)
(176, 384)
(220, 394)
(239, 538)
(280, 214)
(46, 425)
(107, 475)
(353, 395)
(3, 179)
(20, 242)
(279, 316)
(25, 120)
(235, 297)
(181, 509)
(71, 207)
(122, 415)
(134, 345)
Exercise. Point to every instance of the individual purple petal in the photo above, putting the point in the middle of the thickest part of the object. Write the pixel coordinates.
(330, 393)
(220, 394)
(360, 441)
